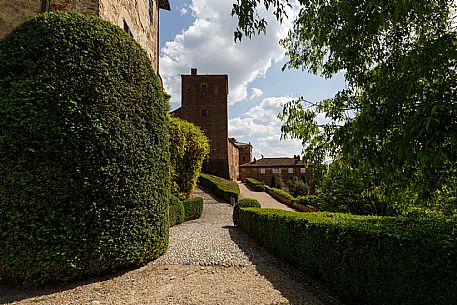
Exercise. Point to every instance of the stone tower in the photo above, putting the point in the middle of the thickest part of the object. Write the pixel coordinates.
(140, 18)
(204, 100)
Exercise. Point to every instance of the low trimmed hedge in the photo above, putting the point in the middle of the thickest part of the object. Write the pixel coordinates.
(367, 259)
(255, 185)
(176, 213)
(282, 193)
(243, 203)
(222, 188)
(312, 200)
(193, 208)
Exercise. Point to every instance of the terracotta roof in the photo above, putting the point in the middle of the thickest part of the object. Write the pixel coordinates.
(274, 162)
(164, 4)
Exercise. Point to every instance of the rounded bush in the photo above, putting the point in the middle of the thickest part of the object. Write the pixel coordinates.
(243, 203)
(84, 151)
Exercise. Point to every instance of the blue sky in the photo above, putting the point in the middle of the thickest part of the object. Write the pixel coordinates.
(199, 34)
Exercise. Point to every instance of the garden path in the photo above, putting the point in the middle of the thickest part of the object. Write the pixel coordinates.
(265, 200)
(209, 261)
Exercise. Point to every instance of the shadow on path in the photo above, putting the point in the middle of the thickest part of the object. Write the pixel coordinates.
(274, 270)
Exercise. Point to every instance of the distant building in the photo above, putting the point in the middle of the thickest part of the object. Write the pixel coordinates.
(204, 101)
(245, 151)
(140, 18)
(264, 169)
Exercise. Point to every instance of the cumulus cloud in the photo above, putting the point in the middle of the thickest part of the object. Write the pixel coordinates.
(208, 46)
(256, 93)
(260, 126)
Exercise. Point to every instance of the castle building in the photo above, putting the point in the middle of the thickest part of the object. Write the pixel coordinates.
(204, 101)
(140, 18)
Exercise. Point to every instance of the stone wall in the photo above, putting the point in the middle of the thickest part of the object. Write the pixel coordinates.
(233, 161)
(141, 17)
(89, 7)
(15, 12)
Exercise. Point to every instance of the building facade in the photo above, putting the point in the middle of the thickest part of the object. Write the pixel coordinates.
(204, 102)
(140, 18)
(264, 169)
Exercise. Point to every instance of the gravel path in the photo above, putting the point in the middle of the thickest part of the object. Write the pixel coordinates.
(265, 200)
(209, 261)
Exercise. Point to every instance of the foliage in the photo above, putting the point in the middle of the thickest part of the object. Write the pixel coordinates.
(345, 189)
(312, 200)
(84, 151)
(193, 208)
(243, 203)
(222, 188)
(255, 185)
(366, 259)
(297, 187)
(175, 211)
(282, 193)
(188, 149)
(277, 182)
(397, 114)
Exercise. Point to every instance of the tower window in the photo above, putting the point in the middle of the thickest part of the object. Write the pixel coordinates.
(204, 113)
(204, 88)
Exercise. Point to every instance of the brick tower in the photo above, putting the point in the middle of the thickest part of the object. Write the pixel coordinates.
(204, 101)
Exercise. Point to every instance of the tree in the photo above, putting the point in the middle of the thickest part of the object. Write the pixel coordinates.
(398, 113)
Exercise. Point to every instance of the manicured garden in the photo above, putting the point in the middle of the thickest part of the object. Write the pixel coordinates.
(224, 189)
(366, 259)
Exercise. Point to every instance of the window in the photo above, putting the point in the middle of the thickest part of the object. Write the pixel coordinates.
(204, 88)
(262, 171)
(244, 159)
(276, 170)
(204, 113)
(127, 28)
(302, 170)
(290, 170)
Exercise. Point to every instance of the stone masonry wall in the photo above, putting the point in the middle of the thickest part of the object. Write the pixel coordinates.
(15, 12)
(89, 7)
(142, 19)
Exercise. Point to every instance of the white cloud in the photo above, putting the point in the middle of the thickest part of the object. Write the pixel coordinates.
(208, 46)
(183, 11)
(256, 93)
(260, 126)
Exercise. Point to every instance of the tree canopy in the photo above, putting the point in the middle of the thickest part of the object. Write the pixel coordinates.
(397, 115)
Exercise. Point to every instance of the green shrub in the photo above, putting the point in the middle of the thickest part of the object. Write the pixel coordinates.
(222, 188)
(277, 182)
(297, 187)
(193, 208)
(176, 211)
(84, 151)
(255, 185)
(188, 148)
(243, 203)
(367, 259)
(282, 193)
(309, 200)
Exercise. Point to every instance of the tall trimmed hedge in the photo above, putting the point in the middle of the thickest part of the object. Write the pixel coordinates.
(224, 189)
(84, 151)
(188, 148)
(366, 259)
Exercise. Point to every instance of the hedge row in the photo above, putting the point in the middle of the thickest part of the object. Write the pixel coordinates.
(367, 259)
(175, 211)
(84, 158)
(181, 211)
(255, 185)
(243, 203)
(193, 208)
(222, 188)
